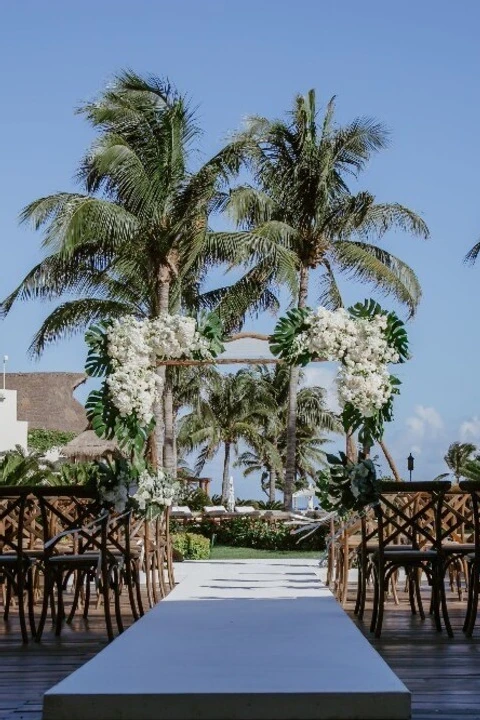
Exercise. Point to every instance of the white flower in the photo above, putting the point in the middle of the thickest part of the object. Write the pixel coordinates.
(159, 489)
(360, 345)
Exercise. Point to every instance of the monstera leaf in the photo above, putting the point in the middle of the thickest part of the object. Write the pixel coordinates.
(210, 326)
(98, 362)
(288, 328)
(346, 486)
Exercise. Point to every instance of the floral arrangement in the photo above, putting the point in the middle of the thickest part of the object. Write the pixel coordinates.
(134, 347)
(364, 339)
(155, 492)
(347, 486)
(125, 352)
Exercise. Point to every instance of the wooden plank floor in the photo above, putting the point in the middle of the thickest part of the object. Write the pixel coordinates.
(443, 674)
(27, 671)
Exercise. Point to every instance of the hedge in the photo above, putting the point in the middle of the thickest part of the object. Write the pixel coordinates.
(191, 546)
(257, 533)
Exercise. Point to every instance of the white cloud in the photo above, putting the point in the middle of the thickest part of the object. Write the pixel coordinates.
(470, 430)
(324, 377)
(425, 421)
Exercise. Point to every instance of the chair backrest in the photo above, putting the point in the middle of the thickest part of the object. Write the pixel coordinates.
(413, 521)
(472, 487)
(12, 516)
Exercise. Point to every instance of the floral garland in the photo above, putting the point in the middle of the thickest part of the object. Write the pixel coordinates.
(126, 352)
(134, 347)
(364, 339)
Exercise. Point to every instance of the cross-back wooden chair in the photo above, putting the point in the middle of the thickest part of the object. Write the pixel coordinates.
(472, 487)
(16, 565)
(420, 551)
(78, 552)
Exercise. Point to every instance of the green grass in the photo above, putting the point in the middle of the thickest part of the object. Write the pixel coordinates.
(221, 552)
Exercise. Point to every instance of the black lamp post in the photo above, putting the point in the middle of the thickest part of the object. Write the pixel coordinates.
(410, 465)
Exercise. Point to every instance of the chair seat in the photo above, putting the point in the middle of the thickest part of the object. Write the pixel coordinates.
(410, 556)
(453, 548)
(373, 547)
(88, 559)
(12, 559)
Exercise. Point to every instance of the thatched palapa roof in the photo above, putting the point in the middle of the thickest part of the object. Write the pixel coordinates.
(88, 446)
(45, 400)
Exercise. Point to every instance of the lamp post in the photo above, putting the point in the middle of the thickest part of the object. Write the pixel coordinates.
(410, 465)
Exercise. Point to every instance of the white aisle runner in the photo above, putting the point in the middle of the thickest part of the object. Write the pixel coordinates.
(237, 640)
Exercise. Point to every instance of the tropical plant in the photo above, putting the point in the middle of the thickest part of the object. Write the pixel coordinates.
(228, 412)
(267, 455)
(301, 169)
(458, 456)
(19, 468)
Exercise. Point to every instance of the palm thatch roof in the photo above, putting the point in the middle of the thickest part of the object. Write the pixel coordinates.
(45, 400)
(88, 446)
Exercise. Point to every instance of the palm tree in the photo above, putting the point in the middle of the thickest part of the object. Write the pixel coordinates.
(228, 412)
(301, 168)
(267, 455)
(457, 457)
(135, 239)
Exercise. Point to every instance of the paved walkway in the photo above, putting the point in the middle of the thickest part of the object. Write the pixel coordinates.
(237, 640)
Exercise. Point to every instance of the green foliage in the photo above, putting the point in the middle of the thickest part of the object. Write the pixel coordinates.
(287, 329)
(257, 533)
(347, 486)
(210, 326)
(42, 440)
(78, 474)
(269, 505)
(18, 468)
(191, 546)
(195, 499)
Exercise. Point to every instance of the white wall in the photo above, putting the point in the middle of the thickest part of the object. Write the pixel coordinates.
(12, 431)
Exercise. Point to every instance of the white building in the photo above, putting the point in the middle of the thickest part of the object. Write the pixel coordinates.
(12, 431)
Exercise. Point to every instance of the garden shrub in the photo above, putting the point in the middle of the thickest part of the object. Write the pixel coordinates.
(258, 533)
(191, 546)
(43, 440)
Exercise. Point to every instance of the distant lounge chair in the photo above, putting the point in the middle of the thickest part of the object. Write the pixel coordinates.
(214, 509)
(244, 509)
(182, 510)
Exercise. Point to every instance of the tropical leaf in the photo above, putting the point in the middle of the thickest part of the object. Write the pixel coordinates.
(287, 329)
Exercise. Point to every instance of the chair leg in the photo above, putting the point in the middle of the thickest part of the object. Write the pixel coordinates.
(473, 603)
(443, 599)
(381, 604)
(417, 579)
(47, 599)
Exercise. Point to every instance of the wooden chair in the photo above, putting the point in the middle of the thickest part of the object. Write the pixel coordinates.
(473, 559)
(15, 564)
(420, 547)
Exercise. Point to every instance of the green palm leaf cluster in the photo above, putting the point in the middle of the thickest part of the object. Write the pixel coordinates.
(462, 461)
(250, 408)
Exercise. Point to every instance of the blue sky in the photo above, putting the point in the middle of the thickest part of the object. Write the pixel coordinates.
(412, 65)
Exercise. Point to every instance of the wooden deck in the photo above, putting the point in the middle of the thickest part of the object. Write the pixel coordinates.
(442, 674)
(26, 672)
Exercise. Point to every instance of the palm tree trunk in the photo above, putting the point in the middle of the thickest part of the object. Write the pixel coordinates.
(175, 448)
(168, 447)
(226, 473)
(390, 461)
(158, 410)
(291, 459)
(350, 447)
(272, 489)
